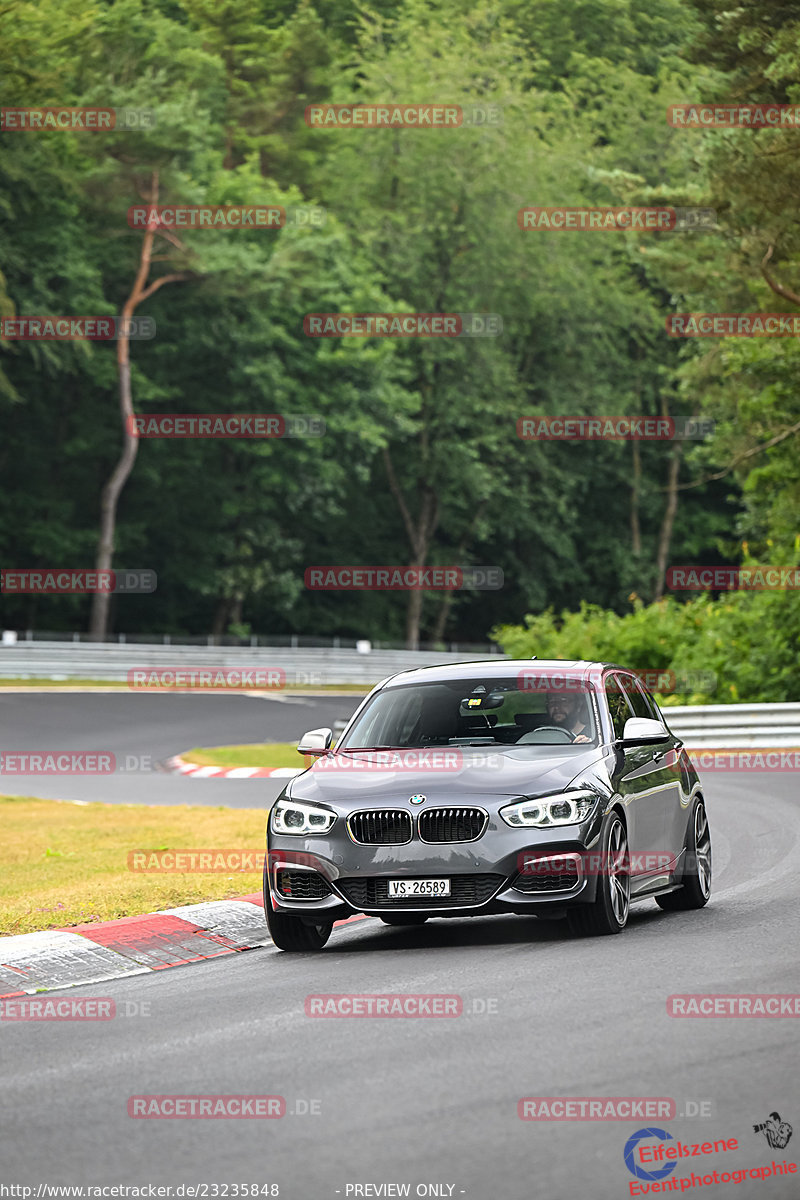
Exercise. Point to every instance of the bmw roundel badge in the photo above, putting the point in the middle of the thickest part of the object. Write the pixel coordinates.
(418, 799)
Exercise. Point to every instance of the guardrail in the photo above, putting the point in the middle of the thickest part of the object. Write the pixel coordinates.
(291, 640)
(301, 665)
(722, 726)
(733, 726)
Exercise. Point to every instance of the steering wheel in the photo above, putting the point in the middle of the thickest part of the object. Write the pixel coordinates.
(530, 737)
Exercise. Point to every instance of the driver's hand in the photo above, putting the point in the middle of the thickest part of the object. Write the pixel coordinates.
(581, 738)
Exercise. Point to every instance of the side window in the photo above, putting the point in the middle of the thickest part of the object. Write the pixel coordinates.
(617, 703)
(657, 713)
(654, 712)
(638, 699)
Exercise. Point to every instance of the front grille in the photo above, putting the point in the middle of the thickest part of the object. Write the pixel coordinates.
(301, 885)
(452, 824)
(465, 891)
(380, 827)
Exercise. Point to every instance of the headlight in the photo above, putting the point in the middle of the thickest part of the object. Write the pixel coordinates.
(566, 809)
(293, 816)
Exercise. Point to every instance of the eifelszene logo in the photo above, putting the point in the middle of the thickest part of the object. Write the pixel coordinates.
(630, 1152)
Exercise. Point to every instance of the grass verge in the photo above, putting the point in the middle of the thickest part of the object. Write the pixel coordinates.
(61, 682)
(62, 864)
(255, 754)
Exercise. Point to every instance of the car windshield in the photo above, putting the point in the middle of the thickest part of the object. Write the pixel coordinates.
(474, 712)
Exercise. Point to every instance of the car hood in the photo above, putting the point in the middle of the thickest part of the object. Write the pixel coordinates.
(363, 780)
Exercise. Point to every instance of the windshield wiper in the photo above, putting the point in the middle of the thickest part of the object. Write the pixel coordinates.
(369, 749)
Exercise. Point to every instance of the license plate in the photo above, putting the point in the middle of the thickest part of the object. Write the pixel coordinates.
(402, 889)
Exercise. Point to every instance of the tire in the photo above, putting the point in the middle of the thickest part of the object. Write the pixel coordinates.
(406, 919)
(695, 886)
(289, 932)
(609, 912)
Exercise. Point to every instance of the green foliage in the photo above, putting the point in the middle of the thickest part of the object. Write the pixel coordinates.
(421, 458)
(748, 641)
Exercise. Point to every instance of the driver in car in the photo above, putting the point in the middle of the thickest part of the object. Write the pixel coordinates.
(568, 711)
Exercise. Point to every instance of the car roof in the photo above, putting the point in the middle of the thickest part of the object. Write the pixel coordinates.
(498, 668)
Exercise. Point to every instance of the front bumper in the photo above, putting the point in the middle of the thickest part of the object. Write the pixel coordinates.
(485, 875)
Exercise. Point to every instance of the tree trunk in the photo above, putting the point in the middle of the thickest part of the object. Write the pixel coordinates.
(109, 499)
(420, 532)
(437, 634)
(414, 615)
(447, 599)
(668, 522)
(636, 532)
(220, 623)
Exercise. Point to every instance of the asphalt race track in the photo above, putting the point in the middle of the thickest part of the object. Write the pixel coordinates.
(417, 1101)
(143, 730)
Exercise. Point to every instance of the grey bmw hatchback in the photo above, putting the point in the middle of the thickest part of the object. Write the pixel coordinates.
(551, 789)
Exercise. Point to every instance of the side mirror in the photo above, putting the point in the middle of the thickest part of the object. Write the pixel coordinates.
(315, 742)
(643, 731)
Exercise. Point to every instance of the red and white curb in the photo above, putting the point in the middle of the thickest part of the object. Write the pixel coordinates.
(92, 953)
(179, 766)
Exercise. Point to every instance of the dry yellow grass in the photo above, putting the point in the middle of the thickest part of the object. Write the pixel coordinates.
(63, 864)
